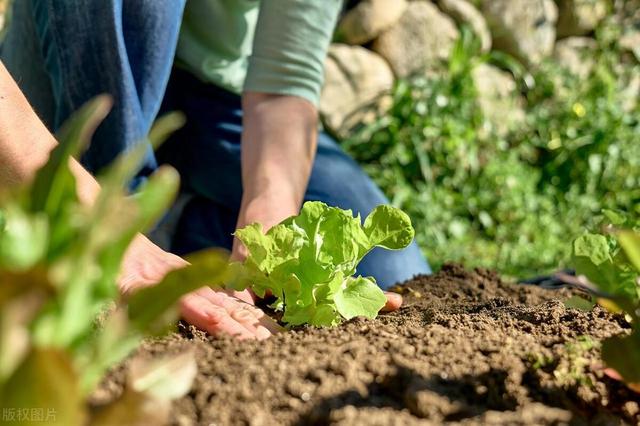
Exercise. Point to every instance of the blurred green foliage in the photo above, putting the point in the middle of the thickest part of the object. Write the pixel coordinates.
(509, 201)
(63, 323)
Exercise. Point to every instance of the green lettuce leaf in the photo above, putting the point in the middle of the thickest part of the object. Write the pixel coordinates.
(359, 297)
(307, 262)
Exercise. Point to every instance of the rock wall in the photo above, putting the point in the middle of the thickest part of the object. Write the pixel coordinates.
(416, 36)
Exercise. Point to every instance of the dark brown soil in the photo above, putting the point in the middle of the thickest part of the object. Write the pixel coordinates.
(465, 349)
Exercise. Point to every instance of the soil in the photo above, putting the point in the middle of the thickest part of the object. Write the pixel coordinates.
(466, 348)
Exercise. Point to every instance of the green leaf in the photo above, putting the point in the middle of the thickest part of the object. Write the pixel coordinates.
(304, 260)
(325, 316)
(359, 297)
(165, 126)
(24, 239)
(54, 182)
(614, 217)
(45, 380)
(630, 243)
(110, 344)
(278, 246)
(341, 239)
(622, 353)
(592, 258)
(595, 247)
(389, 227)
(580, 303)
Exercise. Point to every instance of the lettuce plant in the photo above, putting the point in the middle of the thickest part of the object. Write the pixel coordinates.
(308, 261)
(610, 261)
(59, 262)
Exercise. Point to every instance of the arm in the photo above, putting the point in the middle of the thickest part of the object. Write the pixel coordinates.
(279, 101)
(278, 148)
(280, 116)
(25, 143)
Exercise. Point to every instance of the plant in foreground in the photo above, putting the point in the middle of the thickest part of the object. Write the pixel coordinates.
(609, 263)
(59, 261)
(308, 261)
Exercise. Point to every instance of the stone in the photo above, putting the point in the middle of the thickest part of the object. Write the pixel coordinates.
(631, 93)
(579, 17)
(630, 41)
(573, 53)
(464, 13)
(498, 97)
(356, 88)
(422, 38)
(525, 29)
(368, 19)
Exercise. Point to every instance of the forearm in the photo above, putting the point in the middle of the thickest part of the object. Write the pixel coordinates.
(25, 142)
(278, 148)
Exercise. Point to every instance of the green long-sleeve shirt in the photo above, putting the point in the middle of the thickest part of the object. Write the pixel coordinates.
(270, 46)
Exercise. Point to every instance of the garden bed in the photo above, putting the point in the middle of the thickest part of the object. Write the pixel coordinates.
(465, 348)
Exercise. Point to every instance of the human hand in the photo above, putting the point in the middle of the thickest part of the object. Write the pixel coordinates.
(215, 311)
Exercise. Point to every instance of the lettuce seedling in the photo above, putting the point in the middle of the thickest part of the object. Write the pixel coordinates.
(308, 261)
(611, 262)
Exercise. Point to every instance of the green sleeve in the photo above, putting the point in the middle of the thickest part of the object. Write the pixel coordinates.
(290, 46)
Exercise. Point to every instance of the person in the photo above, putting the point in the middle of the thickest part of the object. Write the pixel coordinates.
(246, 73)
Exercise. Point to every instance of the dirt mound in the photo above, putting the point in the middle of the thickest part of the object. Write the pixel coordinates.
(465, 349)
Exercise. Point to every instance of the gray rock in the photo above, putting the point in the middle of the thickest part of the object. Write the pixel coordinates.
(422, 38)
(579, 17)
(464, 13)
(498, 97)
(525, 29)
(574, 54)
(368, 19)
(356, 88)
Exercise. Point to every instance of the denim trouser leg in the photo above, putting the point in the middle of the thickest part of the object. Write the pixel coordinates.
(207, 154)
(82, 48)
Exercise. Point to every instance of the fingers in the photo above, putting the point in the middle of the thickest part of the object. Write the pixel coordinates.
(394, 301)
(214, 319)
(252, 319)
(219, 313)
(256, 321)
(245, 295)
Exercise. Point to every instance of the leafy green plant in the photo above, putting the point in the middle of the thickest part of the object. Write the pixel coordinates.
(610, 262)
(307, 262)
(493, 200)
(59, 261)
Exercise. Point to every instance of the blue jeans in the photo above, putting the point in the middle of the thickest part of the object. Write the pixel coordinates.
(64, 52)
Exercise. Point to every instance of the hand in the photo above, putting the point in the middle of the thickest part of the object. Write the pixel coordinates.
(217, 312)
(394, 301)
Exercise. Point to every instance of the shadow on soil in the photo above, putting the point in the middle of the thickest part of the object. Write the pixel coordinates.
(433, 397)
